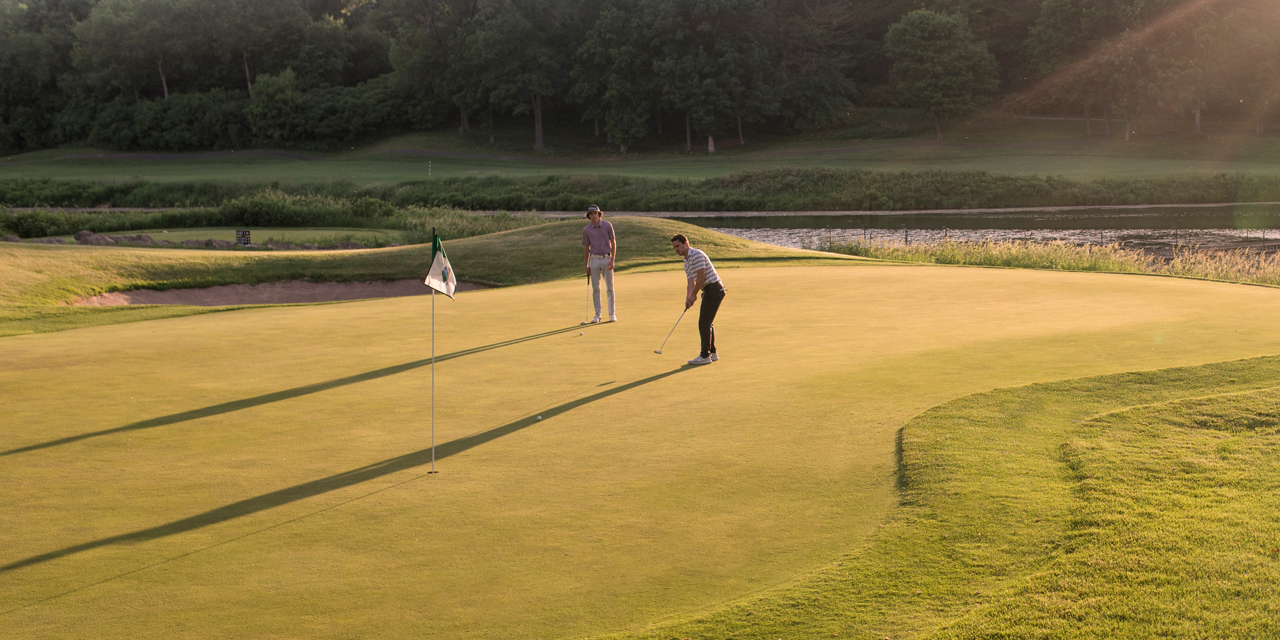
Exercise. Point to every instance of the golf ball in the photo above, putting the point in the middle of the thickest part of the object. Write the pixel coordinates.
(579, 333)
(539, 417)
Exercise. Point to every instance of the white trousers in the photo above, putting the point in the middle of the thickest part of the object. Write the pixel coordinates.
(600, 266)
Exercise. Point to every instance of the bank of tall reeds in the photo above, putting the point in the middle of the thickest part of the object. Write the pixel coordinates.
(814, 189)
(1239, 265)
(271, 208)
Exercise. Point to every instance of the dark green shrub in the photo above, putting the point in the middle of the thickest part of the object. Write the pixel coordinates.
(371, 208)
(453, 224)
(264, 211)
(113, 125)
(281, 113)
(34, 224)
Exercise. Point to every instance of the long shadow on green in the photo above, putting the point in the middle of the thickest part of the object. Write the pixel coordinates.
(334, 482)
(248, 403)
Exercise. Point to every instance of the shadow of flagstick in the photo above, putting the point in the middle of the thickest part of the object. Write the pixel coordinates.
(334, 482)
(287, 394)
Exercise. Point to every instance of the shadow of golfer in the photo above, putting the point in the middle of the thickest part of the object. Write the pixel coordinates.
(296, 392)
(334, 482)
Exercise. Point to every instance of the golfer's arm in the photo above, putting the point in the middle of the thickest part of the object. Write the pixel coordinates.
(613, 250)
(586, 255)
(699, 281)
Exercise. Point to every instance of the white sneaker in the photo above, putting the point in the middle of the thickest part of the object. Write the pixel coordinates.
(700, 360)
(613, 318)
(595, 320)
(715, 356)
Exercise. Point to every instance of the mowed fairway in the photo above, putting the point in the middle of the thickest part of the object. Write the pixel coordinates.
(1016, 147)
(1069, 158)
(264, 472)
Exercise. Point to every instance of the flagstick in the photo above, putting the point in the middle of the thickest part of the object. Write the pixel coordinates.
(433, 373)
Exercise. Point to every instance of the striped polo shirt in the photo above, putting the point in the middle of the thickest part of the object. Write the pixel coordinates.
(698, 260)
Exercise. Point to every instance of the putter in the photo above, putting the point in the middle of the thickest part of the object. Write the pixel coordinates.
(673, 330)
(586, 319)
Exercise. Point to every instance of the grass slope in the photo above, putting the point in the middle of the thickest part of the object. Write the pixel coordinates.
(1019, 147)
(263, 473)
(1134, 505)
(331, 204)
(39, 278)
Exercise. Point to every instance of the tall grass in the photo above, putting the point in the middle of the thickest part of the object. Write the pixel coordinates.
(763, 190)
(453, 223)
(1239, 265)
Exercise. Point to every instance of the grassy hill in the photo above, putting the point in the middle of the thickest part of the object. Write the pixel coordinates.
(1135, 505)
(41, 279)
(1005, 146)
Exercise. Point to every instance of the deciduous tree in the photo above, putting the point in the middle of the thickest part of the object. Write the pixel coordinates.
(127, 43)
(517, 51)
(614, 76)
(938, 67)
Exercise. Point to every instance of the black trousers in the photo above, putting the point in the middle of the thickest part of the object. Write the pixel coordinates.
(712, 296)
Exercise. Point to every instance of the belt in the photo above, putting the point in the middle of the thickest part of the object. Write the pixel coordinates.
(601, 255)
(713, 286)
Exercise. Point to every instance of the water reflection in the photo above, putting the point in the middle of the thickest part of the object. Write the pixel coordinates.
(1153, 241)
(1154, 230)
(1232, 217)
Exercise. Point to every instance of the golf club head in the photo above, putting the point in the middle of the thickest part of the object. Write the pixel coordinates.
(658, 351)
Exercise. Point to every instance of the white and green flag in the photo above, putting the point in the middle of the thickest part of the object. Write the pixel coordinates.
(440, 277)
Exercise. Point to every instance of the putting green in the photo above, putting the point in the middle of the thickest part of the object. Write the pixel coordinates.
(263, 472)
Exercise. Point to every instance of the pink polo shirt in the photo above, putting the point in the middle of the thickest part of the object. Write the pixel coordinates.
(598, 237)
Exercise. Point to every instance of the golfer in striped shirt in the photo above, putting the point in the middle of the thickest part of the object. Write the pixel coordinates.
(702, 277)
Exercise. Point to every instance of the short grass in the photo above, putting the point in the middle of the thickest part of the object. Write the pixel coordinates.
(262, 472)
(1173, 529)
(41, 279)
(1136, 505)
(1020, 147)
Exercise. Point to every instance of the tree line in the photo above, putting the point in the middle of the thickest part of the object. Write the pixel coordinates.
(210, 74)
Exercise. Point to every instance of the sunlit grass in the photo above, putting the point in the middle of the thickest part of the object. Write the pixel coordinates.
(1172, 530)
(755, 513)
(1135, 505)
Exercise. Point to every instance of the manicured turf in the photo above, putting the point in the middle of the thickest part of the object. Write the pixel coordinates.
(1001, 146)
(1135, 505)
(263, 472)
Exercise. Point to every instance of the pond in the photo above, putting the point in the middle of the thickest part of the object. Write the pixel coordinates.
(1151, 229)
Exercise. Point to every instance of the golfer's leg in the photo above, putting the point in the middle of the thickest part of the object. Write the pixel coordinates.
(595, 283)
(704, 330)
(706, 314)
(706, 318)
(608, 285)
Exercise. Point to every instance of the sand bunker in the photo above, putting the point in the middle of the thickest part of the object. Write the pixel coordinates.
(292, 292)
